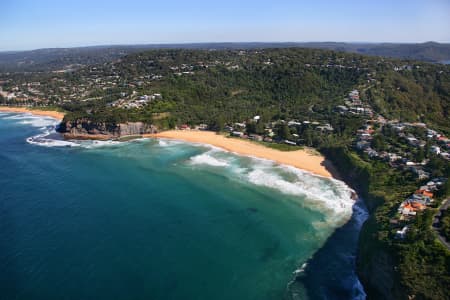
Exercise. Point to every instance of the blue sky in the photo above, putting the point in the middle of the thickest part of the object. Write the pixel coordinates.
(31, 24)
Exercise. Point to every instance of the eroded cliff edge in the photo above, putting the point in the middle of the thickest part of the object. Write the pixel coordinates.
(87, 129)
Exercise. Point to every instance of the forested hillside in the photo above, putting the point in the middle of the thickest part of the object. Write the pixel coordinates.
(381, 121)
(202, 86)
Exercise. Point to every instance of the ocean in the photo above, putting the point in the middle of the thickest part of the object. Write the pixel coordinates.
(162, 219)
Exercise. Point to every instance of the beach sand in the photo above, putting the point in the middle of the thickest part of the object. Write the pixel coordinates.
(48, 113)
(306, 159)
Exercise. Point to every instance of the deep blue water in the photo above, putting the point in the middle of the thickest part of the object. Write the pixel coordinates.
(156, 219)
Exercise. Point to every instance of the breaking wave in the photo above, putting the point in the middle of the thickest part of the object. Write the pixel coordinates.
(208, 160)
(326, 195)
(168, 143)
(48, 137)
(315, 191)
(34, 121)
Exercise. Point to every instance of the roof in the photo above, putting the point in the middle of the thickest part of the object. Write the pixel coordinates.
(424, 192)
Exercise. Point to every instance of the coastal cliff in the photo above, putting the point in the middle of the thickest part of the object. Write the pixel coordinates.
(375, 261)
(87, 129)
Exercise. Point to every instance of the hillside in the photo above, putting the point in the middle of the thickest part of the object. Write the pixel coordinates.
(72, 58)
(383, 122)
(202, 86)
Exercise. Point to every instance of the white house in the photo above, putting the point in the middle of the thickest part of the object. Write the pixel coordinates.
(435, 150)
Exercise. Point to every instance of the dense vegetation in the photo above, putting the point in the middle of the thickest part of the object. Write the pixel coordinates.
(62, 58)
(223, 87)
(230, 86)
(418, 265)
(445, 224)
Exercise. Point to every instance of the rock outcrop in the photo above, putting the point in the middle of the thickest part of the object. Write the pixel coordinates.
(86, 129)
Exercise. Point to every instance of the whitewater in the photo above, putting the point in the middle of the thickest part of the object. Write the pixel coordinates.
(329, 200)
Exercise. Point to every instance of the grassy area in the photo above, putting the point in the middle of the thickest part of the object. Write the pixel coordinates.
(281, 147)
(276, 146)
(47, 108)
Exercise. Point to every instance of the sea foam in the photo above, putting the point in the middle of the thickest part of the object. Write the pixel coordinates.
(208, 158)
(324, 194)
(48, 137)
(34, 121)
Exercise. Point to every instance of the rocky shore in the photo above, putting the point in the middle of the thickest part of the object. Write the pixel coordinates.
(86, 129)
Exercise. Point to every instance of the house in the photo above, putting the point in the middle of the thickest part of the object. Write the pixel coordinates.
(202, 127)
(362, 145)
(398, 127)
(294, 123)
(341, 108)
(290, 143)
(412, 141)
(394, 157)
(237, 133)
(420, 199)
(326, 127)
(421, 174)
(354, 95)
(255, 137)
(435, 150)
(408, 208)
(424, 193)
(401, 233)
(371, 153)
(407, 211)
(445, 155)
(185, 127)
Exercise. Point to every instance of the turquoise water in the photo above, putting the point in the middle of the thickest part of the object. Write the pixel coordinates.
(159, 219)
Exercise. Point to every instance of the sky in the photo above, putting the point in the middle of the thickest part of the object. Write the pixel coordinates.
(32, 24)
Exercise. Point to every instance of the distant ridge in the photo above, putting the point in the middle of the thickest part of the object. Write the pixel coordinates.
(55, 58)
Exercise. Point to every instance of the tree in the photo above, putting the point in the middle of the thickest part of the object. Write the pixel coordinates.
(419, 155)
(283, 132)
(218, 124)
(378, 142)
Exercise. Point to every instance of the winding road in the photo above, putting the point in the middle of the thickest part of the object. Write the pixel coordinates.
(436, 222)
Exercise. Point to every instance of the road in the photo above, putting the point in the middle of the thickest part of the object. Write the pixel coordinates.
(436, 222)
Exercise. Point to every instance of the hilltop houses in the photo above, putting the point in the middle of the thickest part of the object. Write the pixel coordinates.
(419, 201)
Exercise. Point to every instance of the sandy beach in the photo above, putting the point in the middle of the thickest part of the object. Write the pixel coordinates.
(48, 113)
(306, 159)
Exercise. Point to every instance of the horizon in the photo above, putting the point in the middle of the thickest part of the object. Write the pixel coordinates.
(221, 43)
(29, 25)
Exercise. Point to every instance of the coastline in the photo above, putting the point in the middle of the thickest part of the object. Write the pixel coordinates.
(46, 113)
(306, 159)
(301, 159)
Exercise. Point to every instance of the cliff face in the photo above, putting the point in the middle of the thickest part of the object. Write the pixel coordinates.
(84, 128)
(375, 266)
(375, 263)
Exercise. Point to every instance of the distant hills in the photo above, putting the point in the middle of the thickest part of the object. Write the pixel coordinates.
(67, 58)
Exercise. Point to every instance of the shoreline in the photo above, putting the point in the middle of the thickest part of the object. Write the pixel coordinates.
(301, 159)
(305, 159)
(45, 113)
